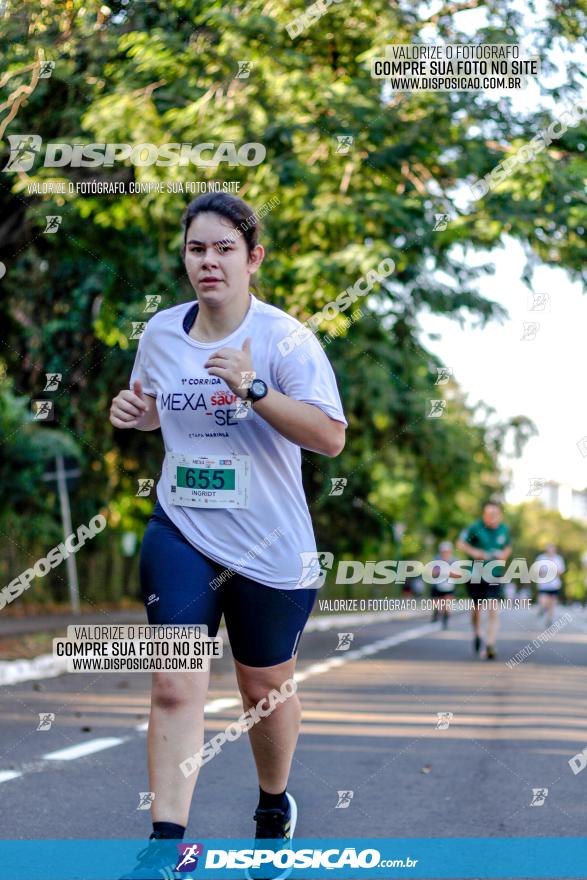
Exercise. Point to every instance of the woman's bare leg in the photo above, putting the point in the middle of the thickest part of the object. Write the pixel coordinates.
(273, 739)
(176, 732)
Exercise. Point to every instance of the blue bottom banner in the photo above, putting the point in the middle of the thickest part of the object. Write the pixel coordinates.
(557, 858)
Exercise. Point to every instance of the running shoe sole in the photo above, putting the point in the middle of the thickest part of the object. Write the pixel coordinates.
(294, 814)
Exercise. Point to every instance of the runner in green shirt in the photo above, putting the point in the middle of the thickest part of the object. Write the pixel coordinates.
(487, 539)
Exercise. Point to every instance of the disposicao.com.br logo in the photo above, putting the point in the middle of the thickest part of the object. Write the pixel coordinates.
(24, 149)
(322, 859)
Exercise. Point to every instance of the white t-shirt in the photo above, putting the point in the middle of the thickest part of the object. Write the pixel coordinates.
(555, 583)
(265, 540)
(448, 585)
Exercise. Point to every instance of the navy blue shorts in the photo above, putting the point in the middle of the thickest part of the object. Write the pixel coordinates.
(484, 590)
(264, 624)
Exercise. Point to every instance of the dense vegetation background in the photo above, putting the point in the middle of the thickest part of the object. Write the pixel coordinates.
(160, 71)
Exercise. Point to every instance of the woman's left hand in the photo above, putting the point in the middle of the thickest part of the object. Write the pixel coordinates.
(229, 364)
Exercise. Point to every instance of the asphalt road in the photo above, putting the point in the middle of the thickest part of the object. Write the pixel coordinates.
(370, 727)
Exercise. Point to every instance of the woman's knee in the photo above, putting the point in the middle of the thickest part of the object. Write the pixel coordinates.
(256, 684)
(173, 692)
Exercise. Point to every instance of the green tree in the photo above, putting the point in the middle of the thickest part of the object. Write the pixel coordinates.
(166, 72)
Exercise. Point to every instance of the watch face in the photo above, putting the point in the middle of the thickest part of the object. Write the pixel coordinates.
(258, 387)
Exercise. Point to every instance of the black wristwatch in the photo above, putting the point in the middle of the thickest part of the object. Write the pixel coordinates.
(257, 390)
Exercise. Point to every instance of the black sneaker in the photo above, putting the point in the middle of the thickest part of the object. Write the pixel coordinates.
(278, 827)
(490, 652)
(477, 644)
(156, 861)
(445, 621)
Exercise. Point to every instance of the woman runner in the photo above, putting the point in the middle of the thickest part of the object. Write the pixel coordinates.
(231, 532)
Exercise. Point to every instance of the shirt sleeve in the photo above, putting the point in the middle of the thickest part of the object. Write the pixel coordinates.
(140, 368)
(466, 535)
(306, 374)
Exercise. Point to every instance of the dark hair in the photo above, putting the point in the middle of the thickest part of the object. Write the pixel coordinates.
(493, 502)
(234, 209)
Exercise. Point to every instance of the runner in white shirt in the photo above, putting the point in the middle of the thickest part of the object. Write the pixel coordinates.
(231, 533)
(443, 590)
(548, 591)
(199, 414)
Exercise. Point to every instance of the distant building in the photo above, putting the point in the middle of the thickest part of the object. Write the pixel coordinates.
(570, 503)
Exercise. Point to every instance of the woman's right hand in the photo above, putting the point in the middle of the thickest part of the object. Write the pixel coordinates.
(129, 408)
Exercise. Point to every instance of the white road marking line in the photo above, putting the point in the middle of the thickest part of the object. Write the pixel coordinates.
(91, 746)
(367, 650)
(97, 745)
(85, 748)
(221, 703)
(5, 775)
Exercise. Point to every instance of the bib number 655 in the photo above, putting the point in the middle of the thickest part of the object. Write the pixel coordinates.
(197, 478)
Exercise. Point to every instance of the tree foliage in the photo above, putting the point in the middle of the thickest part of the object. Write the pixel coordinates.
(166, 72)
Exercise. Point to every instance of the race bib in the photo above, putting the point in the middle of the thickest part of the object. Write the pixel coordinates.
(209, 480)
